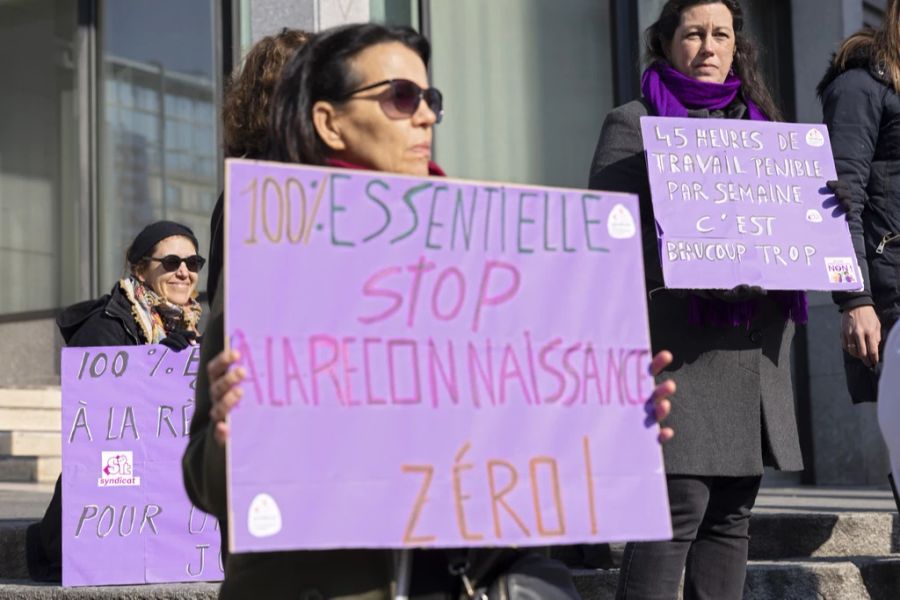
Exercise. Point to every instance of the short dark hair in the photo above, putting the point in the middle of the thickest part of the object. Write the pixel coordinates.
(746, 66)
(321, 70)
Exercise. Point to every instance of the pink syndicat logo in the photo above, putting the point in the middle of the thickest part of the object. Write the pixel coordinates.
(117, 469)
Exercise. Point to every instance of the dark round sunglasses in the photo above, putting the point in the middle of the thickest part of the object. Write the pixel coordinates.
(402, 98)
(171, 262)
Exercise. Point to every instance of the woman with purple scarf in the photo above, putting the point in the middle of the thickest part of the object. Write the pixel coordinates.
(734, 409)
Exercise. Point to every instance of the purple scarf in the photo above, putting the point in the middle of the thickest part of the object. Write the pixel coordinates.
(672, 94)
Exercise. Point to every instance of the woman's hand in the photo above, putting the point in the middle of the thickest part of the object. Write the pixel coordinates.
(224, 390)
(179, 340)
(861, 334)
(660, 398)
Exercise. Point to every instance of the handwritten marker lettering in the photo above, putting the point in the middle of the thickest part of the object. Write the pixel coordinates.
(742, 202)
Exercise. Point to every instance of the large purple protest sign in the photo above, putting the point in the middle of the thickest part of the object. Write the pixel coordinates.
(435, 362)
(126, 516)
(889, 400)
(744, 202)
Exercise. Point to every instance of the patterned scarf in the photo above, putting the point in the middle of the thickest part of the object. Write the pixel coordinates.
(672, 94)
(157, 316)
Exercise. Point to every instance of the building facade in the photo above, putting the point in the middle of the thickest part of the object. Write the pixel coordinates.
(109, 120)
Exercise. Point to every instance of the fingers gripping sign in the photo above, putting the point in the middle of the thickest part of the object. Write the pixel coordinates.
(224, 389)
(659, 405)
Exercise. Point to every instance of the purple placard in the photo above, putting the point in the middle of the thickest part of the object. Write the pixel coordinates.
(889, 399)
(126, 517)
(436, 362)
(742, 202)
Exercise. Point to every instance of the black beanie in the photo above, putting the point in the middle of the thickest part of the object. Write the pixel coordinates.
(153, 234)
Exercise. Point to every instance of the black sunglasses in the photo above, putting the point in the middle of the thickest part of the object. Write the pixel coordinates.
(171, 262)
(402, 99)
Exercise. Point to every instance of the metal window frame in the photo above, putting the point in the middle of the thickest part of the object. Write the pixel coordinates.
(227, 52)
(625, 42)
(425, 18)
(88, 149)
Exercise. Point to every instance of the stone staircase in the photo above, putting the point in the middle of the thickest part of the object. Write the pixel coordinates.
(30, 441)
(794, 556)
(801, 556)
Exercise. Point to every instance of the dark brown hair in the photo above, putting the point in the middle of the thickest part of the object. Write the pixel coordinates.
(883, 45)
(321, 70)
(659, 36)
(245, 111)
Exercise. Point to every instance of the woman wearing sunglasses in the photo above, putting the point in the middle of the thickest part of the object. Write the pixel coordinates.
(153, 304)
(352, 97)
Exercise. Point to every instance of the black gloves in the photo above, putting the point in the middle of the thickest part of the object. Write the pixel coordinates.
(178, 340)
(740, 293)
(842, 192)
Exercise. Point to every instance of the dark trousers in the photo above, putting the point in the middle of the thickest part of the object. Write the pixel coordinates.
(43, 541)
(710, 524)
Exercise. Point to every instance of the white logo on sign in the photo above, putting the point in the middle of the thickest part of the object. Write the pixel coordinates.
(813, 216)
(117, 469)
(620, 223)
(263, 516)
(815, 138)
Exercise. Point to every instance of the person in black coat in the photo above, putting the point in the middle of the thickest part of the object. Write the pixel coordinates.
(861, 107)
(324, 79)
(734, 408)
(154, 304)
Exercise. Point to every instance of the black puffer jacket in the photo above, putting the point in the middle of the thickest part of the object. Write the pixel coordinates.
(862, 112)
(106, 321)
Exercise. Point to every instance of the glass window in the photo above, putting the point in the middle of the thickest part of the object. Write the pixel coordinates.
(39, 216)
(159, 148)
(526, 85)
(173, 196)
(395, 12)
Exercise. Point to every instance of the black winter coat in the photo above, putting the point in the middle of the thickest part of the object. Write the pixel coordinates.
(862, 112)
(216, 249)
(106, 321)
(733, 412)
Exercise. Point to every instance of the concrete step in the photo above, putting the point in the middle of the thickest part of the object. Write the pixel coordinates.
(12, 549)
(28, 590)
(779, 536)
(14, 582)
(29, 419)
(30, 443)
(795, 569)
(820, 579)
(776, 536)
(50, 397)
(40, 469)
(849, 578)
